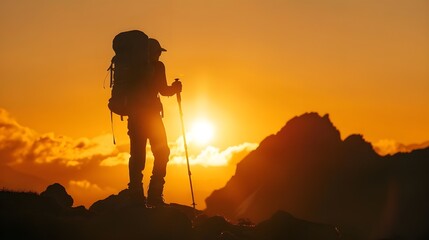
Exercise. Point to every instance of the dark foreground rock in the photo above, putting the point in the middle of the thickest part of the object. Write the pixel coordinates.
(282, 225)
(26, 215)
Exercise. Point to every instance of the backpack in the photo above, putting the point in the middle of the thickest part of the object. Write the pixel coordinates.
(128, 66)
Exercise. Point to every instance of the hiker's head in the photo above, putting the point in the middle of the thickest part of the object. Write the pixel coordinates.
(155, 49)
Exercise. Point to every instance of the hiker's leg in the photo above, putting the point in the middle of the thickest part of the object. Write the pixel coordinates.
(161, 153)
(136, 164)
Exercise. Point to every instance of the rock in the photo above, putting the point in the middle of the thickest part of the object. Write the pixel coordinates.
(217, 227)
(59, 194)
(112, 203)
(283, 225)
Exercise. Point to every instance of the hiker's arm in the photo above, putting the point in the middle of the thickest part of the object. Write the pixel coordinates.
(164, 89)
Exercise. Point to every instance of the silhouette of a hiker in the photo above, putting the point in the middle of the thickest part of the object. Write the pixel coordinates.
(145, 123)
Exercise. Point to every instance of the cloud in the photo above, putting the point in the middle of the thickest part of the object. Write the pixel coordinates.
(205, 156)
(212, 156)
(120, 159)
(48, 148)
(389, 146)
(31, 161)
(84, 184)
(19, 144)
(15, 139)
(92, 192)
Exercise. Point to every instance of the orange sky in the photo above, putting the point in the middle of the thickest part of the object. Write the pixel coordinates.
(247, 66)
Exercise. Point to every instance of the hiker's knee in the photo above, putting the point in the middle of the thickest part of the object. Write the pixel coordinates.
(161, 152)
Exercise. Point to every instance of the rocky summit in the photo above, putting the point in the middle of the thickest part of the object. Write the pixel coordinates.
(26, 215)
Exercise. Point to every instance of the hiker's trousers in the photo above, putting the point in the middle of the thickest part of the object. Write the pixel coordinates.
(145, 126)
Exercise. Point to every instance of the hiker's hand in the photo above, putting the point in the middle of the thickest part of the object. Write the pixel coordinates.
(177, 86)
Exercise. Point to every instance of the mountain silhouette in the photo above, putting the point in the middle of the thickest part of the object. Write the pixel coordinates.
(306, 169)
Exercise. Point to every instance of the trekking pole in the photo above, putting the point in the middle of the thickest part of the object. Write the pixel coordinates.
(179, 101)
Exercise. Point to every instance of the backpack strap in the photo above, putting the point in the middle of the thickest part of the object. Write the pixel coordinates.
(111, 124)
(111, 69)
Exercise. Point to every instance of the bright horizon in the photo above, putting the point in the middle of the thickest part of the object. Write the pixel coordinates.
(247, 67)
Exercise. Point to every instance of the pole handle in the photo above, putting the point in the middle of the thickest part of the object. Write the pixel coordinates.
(179, 97)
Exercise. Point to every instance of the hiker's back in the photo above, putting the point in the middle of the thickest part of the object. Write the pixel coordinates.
(131, 54)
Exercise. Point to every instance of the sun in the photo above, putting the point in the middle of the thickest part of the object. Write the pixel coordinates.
(202, 132)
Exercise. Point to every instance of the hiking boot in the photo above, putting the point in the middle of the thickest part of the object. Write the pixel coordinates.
(154, 194)
(136, 195)
(138, 200)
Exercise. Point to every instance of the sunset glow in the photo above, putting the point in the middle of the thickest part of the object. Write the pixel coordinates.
(202, 132)
(246, 69)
